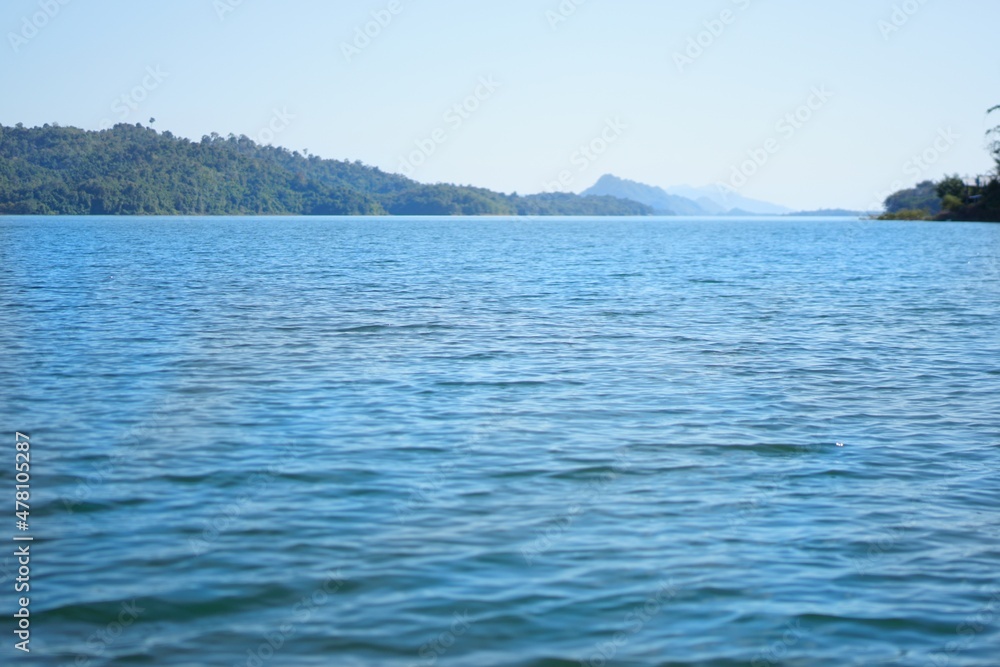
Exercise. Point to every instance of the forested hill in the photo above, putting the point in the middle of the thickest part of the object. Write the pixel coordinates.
(134, 170)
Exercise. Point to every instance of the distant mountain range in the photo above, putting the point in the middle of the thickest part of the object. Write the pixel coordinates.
(683, 200)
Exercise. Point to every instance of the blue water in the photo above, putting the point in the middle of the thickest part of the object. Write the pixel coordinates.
(490, 442)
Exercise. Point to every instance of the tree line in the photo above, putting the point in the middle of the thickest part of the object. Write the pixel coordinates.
(953, 197)
(135, 170)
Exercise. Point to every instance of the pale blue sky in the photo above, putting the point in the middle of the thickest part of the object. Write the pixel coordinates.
(559, 86)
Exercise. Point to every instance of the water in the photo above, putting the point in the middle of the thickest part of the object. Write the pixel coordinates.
(484, 442)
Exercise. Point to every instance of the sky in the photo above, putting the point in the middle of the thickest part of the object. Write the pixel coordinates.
(806, 104)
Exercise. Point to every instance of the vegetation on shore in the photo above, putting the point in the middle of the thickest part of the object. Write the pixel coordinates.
(953, 198)
(134, 170)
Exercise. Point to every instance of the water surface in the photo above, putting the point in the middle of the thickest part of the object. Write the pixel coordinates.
(528, 443)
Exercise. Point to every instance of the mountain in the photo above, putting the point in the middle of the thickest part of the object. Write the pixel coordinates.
(684, 200)
(134, 170)
(656, 198)
(727, 199)
(711, 207)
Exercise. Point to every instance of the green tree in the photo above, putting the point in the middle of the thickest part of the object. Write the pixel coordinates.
(952, 186)
(922, 197)
(906, 214)
(951, 203)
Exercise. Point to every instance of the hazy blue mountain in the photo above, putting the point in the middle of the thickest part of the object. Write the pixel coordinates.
(654, 197)
(711, 207)
(684, 200)
(728, 199)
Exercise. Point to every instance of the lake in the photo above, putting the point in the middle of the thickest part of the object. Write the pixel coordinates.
(495, 442)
